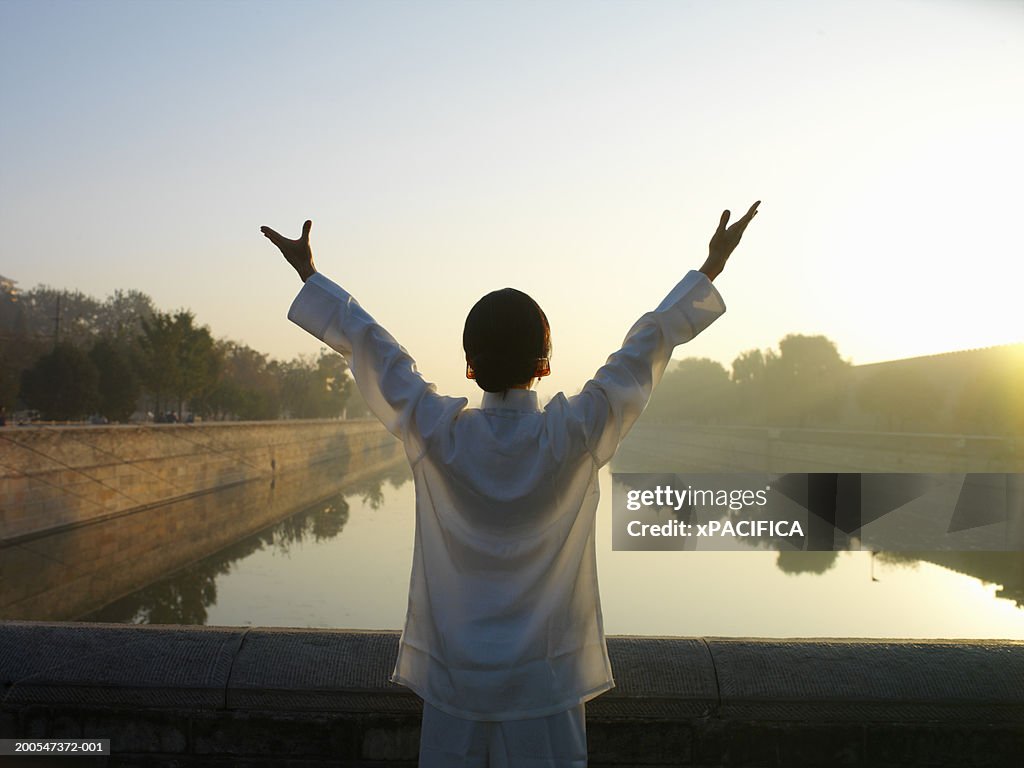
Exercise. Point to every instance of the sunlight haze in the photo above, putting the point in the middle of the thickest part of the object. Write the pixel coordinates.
(579, 151)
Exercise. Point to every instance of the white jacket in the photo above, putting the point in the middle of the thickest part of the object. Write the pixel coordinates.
(504, 618)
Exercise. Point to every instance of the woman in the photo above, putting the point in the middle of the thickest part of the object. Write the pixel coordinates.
(503, 637)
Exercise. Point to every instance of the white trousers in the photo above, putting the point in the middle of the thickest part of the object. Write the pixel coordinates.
(556, 741)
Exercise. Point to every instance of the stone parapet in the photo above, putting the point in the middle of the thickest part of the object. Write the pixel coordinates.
(212, 696)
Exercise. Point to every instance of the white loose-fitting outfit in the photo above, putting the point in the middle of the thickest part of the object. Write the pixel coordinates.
(504, 618)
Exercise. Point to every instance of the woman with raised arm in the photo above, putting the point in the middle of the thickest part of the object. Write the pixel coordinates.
(503, 637)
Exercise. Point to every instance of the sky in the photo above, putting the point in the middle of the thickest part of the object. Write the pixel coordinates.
(579, 151)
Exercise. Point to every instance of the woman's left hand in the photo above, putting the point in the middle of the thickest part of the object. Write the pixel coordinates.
(296, 252)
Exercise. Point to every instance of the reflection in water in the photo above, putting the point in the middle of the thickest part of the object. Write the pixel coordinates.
(185, 597)
(1005, 569)
(806, 562)
(1002, 569)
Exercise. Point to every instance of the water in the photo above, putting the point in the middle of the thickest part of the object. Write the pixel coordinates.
(344, 562)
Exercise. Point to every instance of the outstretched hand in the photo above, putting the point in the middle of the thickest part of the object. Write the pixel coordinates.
(296, 252)
(725, 240)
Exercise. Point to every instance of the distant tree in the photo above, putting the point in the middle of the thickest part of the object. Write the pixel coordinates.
(249, 385)
(748, 376)
(696, 390)
(805, 381)
(294, 377)
(10, 375)
(167, 356)
(62, 385)
(158, 343)
(18, 353)
(61, 315)
(332, 376)
(198, 362)
(748, 368)
(9, 309)
(118, 384)
(355, 406)
(802, 383)
(809, 358)
(315, 388)
(179, 360)
(19, 349)
(120, 317)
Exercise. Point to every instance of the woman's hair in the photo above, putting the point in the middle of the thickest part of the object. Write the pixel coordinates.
(506, 334)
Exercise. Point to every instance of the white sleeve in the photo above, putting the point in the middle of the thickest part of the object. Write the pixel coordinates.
(612, 401)
(385, 373)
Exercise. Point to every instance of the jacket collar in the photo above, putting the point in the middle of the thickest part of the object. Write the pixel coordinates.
(514, 400)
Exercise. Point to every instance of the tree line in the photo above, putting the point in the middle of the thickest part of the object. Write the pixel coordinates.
(70, 356)
(806, 383)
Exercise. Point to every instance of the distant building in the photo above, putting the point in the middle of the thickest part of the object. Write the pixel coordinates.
(937, 389)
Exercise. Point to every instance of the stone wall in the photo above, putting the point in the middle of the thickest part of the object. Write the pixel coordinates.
(70, 572)
(682, 447)
(248, 697)
(55, 478)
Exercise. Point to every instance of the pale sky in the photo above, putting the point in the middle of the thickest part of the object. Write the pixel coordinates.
(579, 151)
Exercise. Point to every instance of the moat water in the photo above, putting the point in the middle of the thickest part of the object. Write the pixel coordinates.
(344, 561)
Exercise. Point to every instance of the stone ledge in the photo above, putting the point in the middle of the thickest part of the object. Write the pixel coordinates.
(260, 669)
(214, 697)
(870, 680)
(106, 665)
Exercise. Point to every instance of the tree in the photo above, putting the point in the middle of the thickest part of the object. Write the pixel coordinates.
(15, 357)
(802, 383)
(62, 385)
(18, 352)
(748, 374)
(118, 385)
(696, 390)
(61, 315)
(294, 376)
(748, 368)
(808, 358)
(21, 345)
(179, 359)
(315, 388)
(158, 342)
(805, 380)
(9, 309)
(355, 406)
(120, 317)
(334, 383)
(166, 356)
(198, 362)
(248, 386)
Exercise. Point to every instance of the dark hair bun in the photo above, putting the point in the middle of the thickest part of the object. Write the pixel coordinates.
(505, 334)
